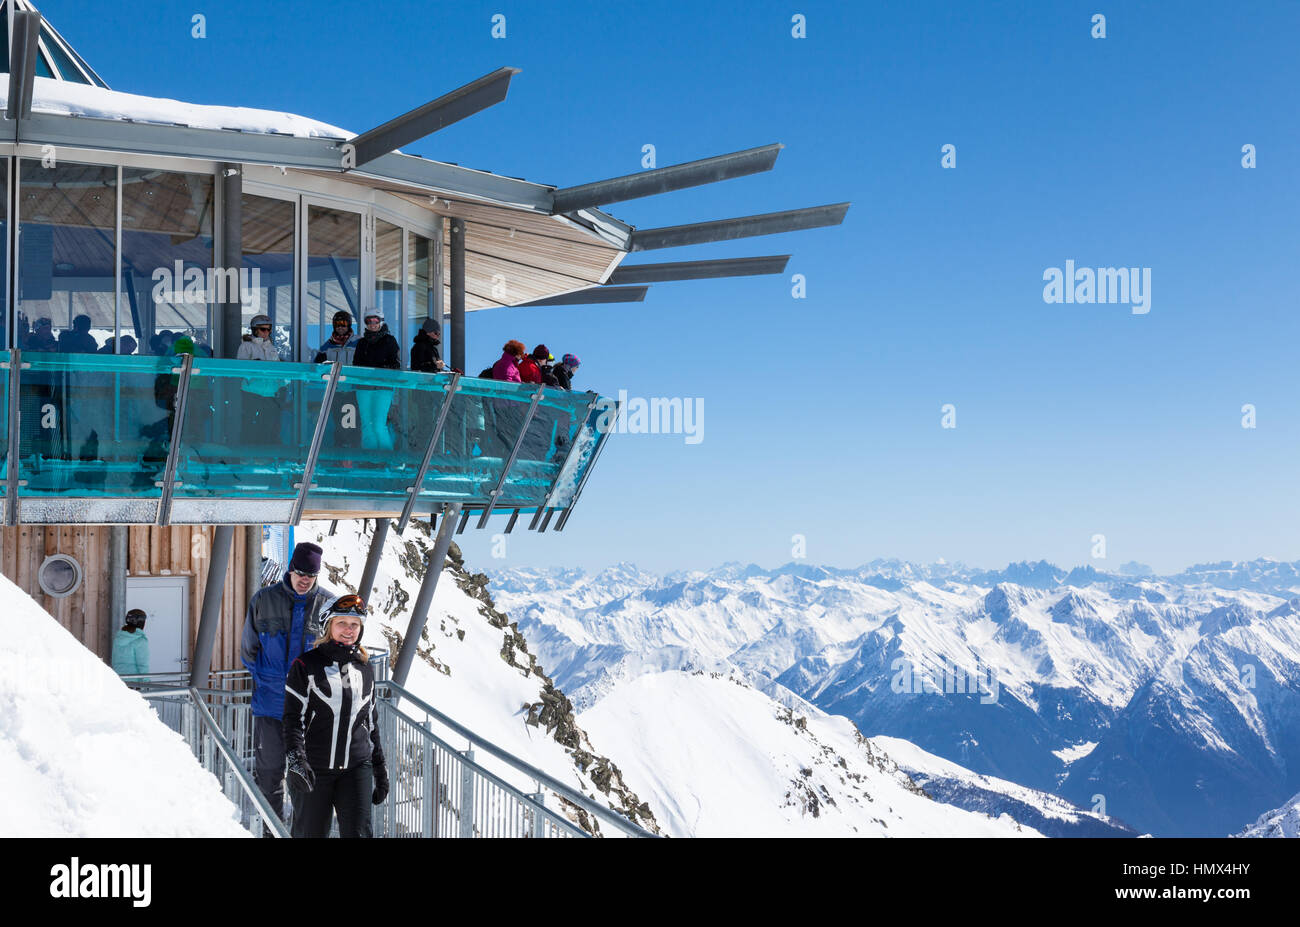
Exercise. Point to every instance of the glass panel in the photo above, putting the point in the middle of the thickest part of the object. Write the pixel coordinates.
(68, 216)
(388, 279)
(95, 425)
(585, 441)
(65, 65)
(333, 270)
(268, 234)
(482, 426)
(42, 66)
(247, 429)
(378, 430)
(419, 286)
(168, 287)
(545, 448)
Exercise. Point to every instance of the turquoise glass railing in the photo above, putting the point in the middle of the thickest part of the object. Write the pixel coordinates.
(99, 436)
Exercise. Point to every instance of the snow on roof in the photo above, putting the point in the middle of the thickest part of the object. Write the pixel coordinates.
(81, 755)
(63, 98)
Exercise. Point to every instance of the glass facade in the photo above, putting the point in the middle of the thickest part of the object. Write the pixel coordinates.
(268, 236)
(169, 290)
(421, 275)
(333, 274)
(388, 280)
(66, 285)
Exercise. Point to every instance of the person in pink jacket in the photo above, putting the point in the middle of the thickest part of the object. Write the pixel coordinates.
(507, 368)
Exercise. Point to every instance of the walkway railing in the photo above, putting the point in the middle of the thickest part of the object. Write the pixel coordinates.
(436, 789)
(163, 440)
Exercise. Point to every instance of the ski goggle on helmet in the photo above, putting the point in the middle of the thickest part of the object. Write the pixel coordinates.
(352, 605)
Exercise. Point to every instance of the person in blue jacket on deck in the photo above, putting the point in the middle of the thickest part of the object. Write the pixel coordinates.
(283, 621)
(130, 646)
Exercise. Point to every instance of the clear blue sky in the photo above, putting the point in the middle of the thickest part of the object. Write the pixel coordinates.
(822, 415)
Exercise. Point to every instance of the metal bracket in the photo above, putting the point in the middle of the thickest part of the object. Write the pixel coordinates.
(510, 461)
(591, 465)
(595, 398)
(413, 491)
(169, 480)
(318, 436)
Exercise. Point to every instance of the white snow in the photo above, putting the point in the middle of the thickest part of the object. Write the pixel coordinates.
(717, 758)
(81, 755)
(1280, 822)
(65, 98)
(1074, 752)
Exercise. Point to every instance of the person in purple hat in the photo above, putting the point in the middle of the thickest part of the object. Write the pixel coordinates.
(282, 622)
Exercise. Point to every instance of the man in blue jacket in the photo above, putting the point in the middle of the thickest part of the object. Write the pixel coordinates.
(283, 622)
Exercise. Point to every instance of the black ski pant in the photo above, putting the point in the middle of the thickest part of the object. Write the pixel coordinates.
(346, 791)
(268, 760)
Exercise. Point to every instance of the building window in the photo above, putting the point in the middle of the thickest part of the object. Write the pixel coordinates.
(388, 277)
(59, 576)
(66, 287)
(268, 238)
(168, 289)
(333, 279)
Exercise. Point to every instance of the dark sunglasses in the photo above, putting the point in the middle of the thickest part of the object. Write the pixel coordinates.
(301, 573)
(262, 328)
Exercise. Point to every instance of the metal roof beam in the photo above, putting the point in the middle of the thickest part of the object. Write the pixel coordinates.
(23, 49)
(792, 220)
(459, 104)
(594, 296)
(699, 270)
(667, 179)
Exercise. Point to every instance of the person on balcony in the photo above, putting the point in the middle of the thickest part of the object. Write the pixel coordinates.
(424, 351)
(261, 414)
(507, 368)
(341, 345)
(281, 622)
(565, 370)
(377, 348)
(78, 339)
(130, 646)
(331, 729)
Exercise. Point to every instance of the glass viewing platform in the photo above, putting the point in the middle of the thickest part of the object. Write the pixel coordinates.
(105, 439)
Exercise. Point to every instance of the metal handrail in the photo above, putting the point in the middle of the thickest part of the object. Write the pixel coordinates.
(192, 698)
(605, 814)
(523, 798)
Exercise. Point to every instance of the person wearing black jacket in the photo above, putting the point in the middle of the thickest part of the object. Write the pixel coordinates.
(331, 729)
(377, 348)
(424, 351)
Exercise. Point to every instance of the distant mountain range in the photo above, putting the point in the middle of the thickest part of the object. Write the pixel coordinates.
(1170, 703)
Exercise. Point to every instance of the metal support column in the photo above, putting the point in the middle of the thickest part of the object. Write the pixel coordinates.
(420, 611)
(458, 295)
(179, 407)
(372, 558)
(232, 257)
(210, 615)
(252, 560)
(117, 562)
(13, 475)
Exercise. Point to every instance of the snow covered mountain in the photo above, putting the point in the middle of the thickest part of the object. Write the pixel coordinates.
(81, 755)
(1280, 822)
(1168, 701)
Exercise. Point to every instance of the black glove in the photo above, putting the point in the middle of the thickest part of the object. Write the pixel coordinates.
(381, 784)
(300, 774)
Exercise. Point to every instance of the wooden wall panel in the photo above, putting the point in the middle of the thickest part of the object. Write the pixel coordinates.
(151, 551)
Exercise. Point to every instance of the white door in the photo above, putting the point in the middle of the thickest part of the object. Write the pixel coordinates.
(166, 603)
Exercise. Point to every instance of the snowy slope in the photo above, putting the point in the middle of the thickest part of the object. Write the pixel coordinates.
(473, 664)
(1280, 822)
(81, 755)
(716, 757)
